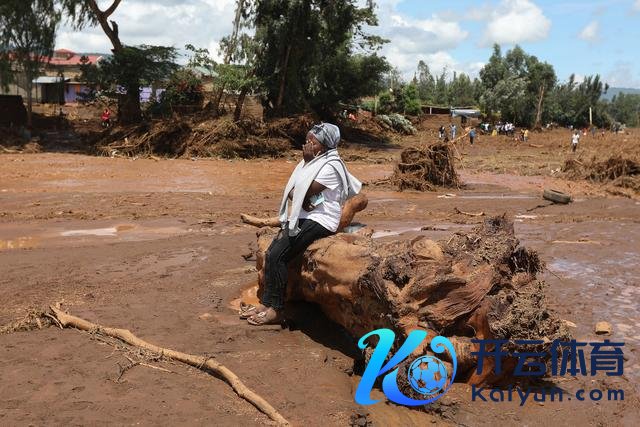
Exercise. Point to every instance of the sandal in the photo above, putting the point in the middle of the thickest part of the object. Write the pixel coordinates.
(248, 310)
(267, 317)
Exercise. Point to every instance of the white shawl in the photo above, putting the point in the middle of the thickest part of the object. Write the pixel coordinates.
(302, 177)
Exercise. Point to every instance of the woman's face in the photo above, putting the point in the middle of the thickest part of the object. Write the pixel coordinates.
(315, 145)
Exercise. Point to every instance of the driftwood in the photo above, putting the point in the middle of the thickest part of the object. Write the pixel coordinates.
(458, 211)
(204, 363)
(473, 285)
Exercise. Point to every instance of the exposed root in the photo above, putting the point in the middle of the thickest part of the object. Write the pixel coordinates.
(199, 362)
(424, 169)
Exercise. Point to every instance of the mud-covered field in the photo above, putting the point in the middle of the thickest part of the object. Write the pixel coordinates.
(156, 246)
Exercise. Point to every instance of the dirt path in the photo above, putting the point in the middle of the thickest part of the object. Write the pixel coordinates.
(156, 247)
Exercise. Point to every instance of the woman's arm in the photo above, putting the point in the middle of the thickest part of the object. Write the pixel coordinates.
(314, 188)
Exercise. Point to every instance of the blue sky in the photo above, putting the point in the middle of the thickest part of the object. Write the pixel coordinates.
(581, 37)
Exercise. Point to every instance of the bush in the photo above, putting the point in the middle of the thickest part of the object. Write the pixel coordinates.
(184, 88)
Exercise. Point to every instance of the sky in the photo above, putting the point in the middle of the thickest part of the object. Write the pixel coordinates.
(577, 37)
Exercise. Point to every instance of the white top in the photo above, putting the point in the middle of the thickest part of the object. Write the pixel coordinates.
(575, 138)
(328, 213)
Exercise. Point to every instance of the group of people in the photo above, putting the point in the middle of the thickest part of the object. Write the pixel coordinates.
(507, 128)
(448, 136)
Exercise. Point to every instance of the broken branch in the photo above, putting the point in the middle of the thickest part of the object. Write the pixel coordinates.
(199, 362)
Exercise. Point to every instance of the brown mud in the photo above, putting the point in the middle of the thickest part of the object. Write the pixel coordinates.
(156, 246)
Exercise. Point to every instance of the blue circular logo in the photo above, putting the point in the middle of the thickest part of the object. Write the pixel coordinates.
(427, 375)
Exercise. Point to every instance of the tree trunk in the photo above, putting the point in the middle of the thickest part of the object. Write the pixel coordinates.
(472, 285)
(29, 102)
(538, 124)
(240, 103)
(283, 79)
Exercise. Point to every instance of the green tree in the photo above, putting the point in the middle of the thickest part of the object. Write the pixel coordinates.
(441, 95)
(312, 54)
(425, 83)
(130, 66)
(27, 34)
(625, 108)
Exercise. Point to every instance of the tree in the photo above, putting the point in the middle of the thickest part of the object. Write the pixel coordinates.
(312, 51)
(625, 108)
(542, 78)
(130, 66)
(27, 31)
(425, 83)
(502, 79)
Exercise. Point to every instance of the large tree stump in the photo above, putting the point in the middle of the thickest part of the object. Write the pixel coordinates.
(474, 285)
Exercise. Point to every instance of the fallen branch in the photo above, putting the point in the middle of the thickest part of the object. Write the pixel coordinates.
(536, 145)
(198, 362)
(458, 211)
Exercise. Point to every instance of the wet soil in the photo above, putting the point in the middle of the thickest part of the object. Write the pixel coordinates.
(157, 247)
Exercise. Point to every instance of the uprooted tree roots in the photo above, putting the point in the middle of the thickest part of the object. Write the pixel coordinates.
(424, 168)
(475, 285)
(619, 171)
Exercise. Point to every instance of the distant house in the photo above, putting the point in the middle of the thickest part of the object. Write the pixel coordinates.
(59, 82)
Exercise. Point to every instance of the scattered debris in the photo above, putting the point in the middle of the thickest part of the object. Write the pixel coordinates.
(458, 211)
(604, 328)
(556, 196)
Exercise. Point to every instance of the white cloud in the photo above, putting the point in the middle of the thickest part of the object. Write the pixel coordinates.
(590, 33)
(412, 40)
(515, 21)
(623, 75)
(636, 6)
(159, 22)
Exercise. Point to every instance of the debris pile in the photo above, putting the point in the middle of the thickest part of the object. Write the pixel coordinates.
(397, 123)
(423, 169)
(209, 137)
(617, 170)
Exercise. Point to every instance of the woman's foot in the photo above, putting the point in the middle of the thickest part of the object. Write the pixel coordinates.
(248, 310)
(270, 316)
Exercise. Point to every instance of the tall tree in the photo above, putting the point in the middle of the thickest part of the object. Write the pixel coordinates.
(27, 31)
(425, 82)
(130, 66)
(316, 53)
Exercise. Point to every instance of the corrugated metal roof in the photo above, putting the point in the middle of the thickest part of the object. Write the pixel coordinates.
(49, 80)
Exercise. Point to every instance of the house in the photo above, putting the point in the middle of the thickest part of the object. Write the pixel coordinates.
(59, 81)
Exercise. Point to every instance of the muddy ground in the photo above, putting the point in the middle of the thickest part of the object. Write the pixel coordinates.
(156, 245)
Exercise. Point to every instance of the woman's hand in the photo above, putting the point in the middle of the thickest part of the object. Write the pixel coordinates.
(307, 152)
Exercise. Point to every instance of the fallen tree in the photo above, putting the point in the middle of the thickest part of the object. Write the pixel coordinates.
(479, 284)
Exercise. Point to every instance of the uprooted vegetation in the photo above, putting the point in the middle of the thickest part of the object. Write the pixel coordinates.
(480, 284)
(200, 136)
(423, 169)
(617, 170)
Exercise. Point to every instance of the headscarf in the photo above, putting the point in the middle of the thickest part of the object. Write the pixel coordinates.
(327, 134)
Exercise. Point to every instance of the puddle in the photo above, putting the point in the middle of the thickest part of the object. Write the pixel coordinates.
(19, 243)
(111, 231)
(526, 216)
(249, 295)
(497, 196)
(387, 233)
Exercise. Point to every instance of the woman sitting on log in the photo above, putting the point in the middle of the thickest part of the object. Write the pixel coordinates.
(317, 189)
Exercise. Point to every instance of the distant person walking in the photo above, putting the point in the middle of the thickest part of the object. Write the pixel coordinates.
(454, 129)
(472, 135)
(441, 132)
(575, 139)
